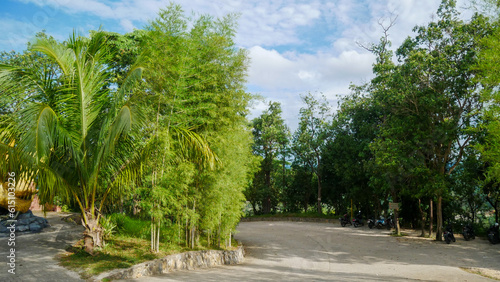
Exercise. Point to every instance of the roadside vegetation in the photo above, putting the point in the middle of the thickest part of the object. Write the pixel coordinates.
(146, 135)
(422, 133)
(126, 245)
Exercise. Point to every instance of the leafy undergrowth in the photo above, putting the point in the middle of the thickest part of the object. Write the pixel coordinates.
(394, 234)
(119, 252)
(128, 246)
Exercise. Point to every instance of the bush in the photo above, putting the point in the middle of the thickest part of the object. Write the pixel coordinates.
(108, 227)
(131, 227)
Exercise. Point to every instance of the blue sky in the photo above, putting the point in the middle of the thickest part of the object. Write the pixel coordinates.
(295, 46)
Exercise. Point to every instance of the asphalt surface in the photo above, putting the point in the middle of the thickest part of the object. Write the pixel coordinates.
(299, 251)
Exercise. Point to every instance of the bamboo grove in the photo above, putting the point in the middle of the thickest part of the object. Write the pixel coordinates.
(151, 124)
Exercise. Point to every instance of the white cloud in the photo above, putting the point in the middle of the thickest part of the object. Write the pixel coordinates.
(272, 70)
(261, 23)
(284, 77)
(127, 25)
(276, 33)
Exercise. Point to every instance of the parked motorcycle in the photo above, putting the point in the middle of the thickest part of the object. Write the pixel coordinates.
(381, 222)
(493, 235)
(389, 223)
(345, 220)
(448, 234)
(358, 220)
(468, 232)
(371, 222)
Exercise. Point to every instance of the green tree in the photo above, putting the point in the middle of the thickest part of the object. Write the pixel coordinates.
(125, 49)
(311, 136)
(194, 83)
(300, 192)
(433, 105)
(347, 155)
(488, 68)
(270, 138)
(80, 134)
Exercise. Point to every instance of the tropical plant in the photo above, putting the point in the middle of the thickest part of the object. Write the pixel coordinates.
(77, 134)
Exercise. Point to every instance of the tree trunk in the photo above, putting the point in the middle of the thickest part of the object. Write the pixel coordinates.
(396, 222)
(439, 227)
(158, 237)
(431, 220)
(92, 236)
(320, 210)
(218, 236)
(422, 218)
(179, 228)
(153, 234)
(267, 201)
(379, 209)
(193, 237)
(208, 239)
(193, 228)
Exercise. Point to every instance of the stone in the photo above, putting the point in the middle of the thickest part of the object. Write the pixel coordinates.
(27, 214)
(35, 227)
(22, 228)
(24, 221)
(188, 260)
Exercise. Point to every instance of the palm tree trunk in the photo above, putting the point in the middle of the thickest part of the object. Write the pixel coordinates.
(93, 233)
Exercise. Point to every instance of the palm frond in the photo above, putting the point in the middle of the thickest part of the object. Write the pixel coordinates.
(38, 130)
(62, 55)
(195, 146)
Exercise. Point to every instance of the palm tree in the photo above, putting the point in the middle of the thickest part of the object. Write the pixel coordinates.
(78, 133)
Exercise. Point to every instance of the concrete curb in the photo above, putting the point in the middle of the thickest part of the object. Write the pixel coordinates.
(184, 261)
(297, 219)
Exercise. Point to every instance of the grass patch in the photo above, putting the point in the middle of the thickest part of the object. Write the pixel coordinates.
(402, 234)
(119, 252)
(129, 245)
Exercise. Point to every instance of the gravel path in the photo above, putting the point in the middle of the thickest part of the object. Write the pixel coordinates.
(286, 251)
(300, 251)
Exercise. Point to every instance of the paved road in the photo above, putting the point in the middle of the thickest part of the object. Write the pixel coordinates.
(35, 253)
(299, 251)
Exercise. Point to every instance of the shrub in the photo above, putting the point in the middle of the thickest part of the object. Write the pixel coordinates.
(131, 227)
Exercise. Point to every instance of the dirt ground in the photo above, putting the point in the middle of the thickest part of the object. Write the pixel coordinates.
(300, 251)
